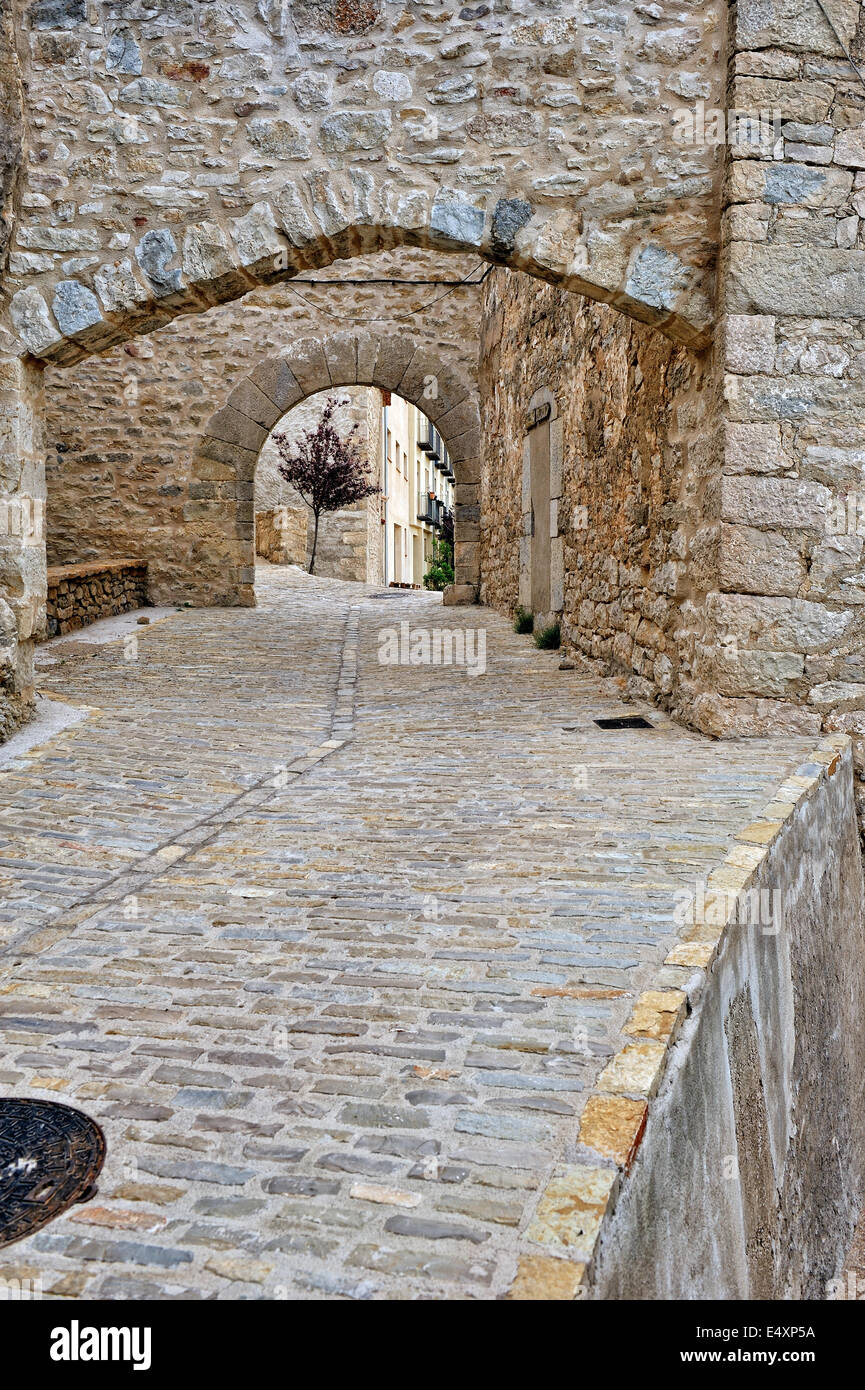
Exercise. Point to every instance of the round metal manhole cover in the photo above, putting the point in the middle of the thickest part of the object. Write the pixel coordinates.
(50, 1158)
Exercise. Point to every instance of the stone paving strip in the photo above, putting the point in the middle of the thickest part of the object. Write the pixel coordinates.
(342, 1044)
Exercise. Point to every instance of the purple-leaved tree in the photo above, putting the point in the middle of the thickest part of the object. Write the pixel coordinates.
(327, 470)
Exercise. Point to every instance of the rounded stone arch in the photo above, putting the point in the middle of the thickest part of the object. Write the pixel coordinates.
(172, 271)
(220, 509)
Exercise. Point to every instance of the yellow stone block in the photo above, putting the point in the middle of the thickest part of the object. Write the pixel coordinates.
(613, 1126)
(570, 1211)
(656, 1013)
(696, 953)
(760, 832)
(745, 857)
(635, 1070)
(728, 878)
(540, 1277)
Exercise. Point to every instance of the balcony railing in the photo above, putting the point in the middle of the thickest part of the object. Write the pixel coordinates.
(426, 507)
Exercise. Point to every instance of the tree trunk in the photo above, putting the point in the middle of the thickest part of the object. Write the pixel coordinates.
(314, 544)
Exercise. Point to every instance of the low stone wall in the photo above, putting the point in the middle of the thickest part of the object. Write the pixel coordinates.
(280, 535)
(81, 594)
(747, 1115)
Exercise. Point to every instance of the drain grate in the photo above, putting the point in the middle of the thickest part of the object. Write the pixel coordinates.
(624, 721)
(50, 1158)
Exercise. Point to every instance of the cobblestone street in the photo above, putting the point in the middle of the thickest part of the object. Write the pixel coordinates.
(331, 949)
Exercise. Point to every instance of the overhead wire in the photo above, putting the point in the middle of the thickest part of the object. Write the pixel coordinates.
(388, 318)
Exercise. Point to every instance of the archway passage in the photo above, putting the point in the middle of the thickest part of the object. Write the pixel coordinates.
(62, 321)
(220, 511)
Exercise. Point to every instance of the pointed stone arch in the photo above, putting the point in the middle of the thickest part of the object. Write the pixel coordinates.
(220, 509)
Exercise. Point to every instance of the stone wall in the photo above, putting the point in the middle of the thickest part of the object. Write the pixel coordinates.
(123, 428)
(788, 621)
(11, 125)
(82, 594)
(178, 153)
(22, 536)
(280, 535)
(748, 1179)
(636, 432)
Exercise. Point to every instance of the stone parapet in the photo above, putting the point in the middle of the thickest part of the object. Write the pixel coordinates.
(82, 594)
(704, 1137)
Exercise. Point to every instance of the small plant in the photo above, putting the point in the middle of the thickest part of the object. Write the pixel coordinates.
(524, 621)
(549, 638)
(441, 566)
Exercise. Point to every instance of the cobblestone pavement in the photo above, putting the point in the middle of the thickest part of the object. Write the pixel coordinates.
(333, 949)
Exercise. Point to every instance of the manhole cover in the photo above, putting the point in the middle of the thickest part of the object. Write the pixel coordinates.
(50, 1158)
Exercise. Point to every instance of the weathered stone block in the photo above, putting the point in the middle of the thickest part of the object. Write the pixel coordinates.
(154, 253)
(275, 379)
(247, 399)
(33, 322)
(456, 595)
(793, 502)
(234, 428)
(281, 535)
(764, 673)
(350, 130)
(778, 624)
(807, 101)
(799, 280)
(749, 343)
(758, 562)
(728, 717)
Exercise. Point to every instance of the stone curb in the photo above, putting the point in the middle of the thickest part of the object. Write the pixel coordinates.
(581, 1196)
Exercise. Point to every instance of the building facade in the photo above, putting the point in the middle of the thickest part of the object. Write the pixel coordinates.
(417, 491)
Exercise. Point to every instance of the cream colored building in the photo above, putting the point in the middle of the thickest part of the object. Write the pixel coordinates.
(417, 490)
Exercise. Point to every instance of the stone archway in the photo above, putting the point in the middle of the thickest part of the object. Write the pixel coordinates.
(220, 510)
(211, 263)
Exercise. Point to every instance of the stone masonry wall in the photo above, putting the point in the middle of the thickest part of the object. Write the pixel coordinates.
(22, 536)
(174, 149)
(280, 535)
(788, 621)
(789, 608)
(82, 594)
(11, 125)
(123, 427)
(637, 449)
